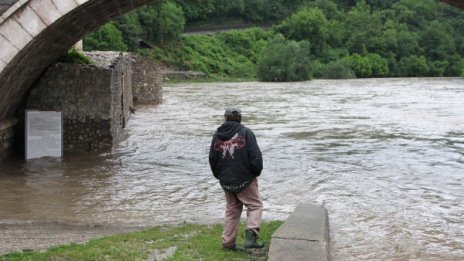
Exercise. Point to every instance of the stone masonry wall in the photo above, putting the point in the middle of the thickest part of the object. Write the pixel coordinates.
(92, 99)
(146, 81)
(121, 81)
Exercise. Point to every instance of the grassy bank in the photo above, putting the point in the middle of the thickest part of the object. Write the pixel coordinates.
(183, 242)
(233, 54)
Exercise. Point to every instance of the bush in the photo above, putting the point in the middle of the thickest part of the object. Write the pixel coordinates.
(437, 68)
(370, 65)
(246, 42)
(413, 66)
(284, 60)
(336, 70)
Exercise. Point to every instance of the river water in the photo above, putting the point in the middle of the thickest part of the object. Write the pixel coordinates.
(384, 156)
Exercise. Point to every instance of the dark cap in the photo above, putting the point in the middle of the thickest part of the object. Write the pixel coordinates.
(231, 111)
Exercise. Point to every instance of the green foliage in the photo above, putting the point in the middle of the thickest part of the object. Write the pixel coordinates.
(130, 28)
(413, 66)
(106, 38)
(308, 24)
(256, 10)
(362, 28)
(437, 42)
(282, 60)
(335, 70)
(196, 9)
(230, 54)
(408, 44)
(249, 43)
(74, 56)
(455, 63)
(190, 242)
(228, 7)
(437, 68)
(168, 23)
(370, 65)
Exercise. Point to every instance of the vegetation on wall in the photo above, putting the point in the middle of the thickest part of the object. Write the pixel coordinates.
(333, 38)
(74, 56)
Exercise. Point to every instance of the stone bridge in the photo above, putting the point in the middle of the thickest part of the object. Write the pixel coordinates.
(34, 33)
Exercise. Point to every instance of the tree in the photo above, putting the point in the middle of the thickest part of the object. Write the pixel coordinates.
(408, 43)
(282, 61)
(307, 24)
(413, 66)
(360, 26)
(163, 21)
(437, 42)
(196, 9)
(416, 13)
(228, 7)
(131, 29)
(106, 38)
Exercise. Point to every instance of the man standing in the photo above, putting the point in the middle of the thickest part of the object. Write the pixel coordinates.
(235, 160)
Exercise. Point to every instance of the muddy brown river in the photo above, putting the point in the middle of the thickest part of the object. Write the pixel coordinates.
(384, 156)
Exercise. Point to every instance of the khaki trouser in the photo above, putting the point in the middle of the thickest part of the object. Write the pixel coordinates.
(234, 206)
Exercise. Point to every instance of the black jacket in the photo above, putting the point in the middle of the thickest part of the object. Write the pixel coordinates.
(234, 156)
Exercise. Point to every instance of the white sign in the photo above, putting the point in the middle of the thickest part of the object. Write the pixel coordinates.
(44, 134)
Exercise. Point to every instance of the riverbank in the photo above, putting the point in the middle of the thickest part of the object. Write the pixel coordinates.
(46, 241)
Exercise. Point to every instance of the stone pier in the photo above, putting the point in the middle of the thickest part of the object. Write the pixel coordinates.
(94, 99)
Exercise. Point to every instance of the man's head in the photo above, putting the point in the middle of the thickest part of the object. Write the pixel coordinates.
(233, 114)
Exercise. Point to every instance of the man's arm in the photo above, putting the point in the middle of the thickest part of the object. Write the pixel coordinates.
(213, 157)
(254, 154)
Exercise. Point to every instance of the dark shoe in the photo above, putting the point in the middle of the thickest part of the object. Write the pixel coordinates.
(230, 248)
(250, 240)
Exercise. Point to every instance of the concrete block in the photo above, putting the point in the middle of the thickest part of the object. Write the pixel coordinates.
(46, 10)
(296, 250)
(30, 21)
(8, 50)
(13, 31)
(65, 5)
(303, 236)
(307, 222)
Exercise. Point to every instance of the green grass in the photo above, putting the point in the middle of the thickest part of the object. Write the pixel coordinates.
(187, 241)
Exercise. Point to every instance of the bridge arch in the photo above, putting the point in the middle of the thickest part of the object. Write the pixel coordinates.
(35, 33)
